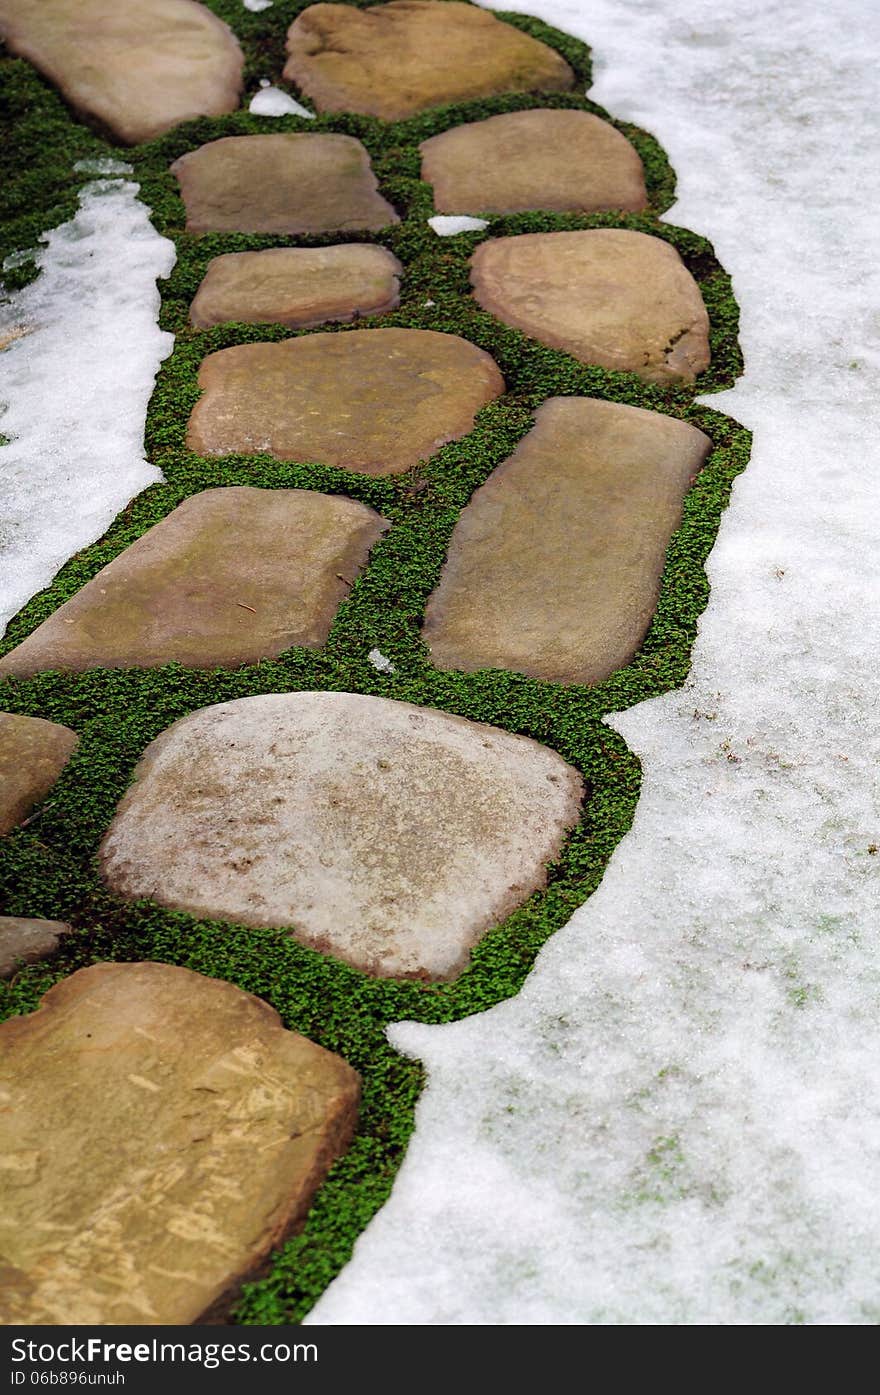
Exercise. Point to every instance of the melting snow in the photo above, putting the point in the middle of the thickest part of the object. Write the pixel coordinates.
(678, 1119)
(74, 386)
(271, 101)
(103, 165)
(379, 661)
(448, 224)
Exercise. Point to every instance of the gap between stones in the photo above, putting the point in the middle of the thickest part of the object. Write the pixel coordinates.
(48, 868)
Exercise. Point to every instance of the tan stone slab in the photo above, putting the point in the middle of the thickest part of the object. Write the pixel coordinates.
(567, 161)
(622, 300)
(230, 577)
(554, 566)
(139, 69)
(292, 184)
(298, 286)
(161, 1133)
(24, 941)
(396, 59)
(33, 754)
(372, 400)
(390, 836)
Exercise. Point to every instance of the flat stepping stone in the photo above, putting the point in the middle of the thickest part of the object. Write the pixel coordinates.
(298, 286)
(396, 59)
(33, 754)
(230, 577)
(25, 941)
(554, 566)
(139, 69)
(390, 836)
(621, 300)
(372, 400)
(567, 161)
(291, 184)
(161, 1133)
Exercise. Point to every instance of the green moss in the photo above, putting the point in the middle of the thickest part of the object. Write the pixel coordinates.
(48, 869)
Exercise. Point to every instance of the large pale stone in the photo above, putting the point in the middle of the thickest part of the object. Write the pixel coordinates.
(139, 68)
(25, 941)
(622, 300)
(569, 161)
(230, 577)
(33, 754)
(160, 1134)
(388, 835)
(395, 59)
(554, 566)
(292, 184)
(298, 286)
(373, 400)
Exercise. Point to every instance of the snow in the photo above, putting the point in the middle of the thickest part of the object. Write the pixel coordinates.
(104, 165)
(678, 1118)
(379, 661)
(75, 381)
(448, 224)
(271, 101)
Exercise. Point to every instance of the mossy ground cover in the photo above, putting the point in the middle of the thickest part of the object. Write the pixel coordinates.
(48, 868)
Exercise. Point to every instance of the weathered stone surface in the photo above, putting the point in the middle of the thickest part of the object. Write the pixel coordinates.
(373, 400)
(554, 566)
(298, 286)
(388, 835)
(561, 160)
(290, 184)
(622, 300)
(25, 941)
(160, 1134)
(395, 59)
(33, 754)
(139, 69)
(232, 576)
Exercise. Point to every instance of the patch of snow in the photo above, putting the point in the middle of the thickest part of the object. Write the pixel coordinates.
(678, 1118)
(448, 224)
(16, 259)
(271, 101)
(74, 389)
(104, 165)
(379, 661)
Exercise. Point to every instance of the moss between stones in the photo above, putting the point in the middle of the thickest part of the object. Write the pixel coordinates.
(48, 869)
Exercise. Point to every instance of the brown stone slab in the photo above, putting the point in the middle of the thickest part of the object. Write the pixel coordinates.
(567, 161)
(290, 184)
(298, 286)
(372, 400)
(139, 69)
(396, 59)
(230, 577)
(33, 754)
(618, 299)
(554, 566)
(390, 836)
(161, 1133)
(25, 941)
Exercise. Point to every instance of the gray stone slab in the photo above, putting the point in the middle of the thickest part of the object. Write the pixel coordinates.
(390, 836)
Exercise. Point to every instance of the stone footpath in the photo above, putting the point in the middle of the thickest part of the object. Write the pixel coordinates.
(164, 1133)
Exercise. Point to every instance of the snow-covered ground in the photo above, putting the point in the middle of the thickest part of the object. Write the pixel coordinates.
(678, 1119)
(75, 381)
